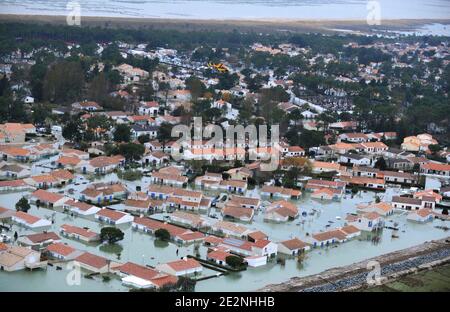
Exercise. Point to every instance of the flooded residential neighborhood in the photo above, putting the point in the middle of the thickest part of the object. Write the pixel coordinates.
(147, 159)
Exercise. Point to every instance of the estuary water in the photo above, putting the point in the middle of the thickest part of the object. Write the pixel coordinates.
(236, 9)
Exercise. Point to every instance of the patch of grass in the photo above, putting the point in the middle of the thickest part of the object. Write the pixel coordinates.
(435, 280)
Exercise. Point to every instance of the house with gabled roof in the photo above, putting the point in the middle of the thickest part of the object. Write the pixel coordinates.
(421, 216)
(187, 219)
(11, 132)
(149, 108)
(6, 213)
(177, 233)
(74, 153)
(279, 191)
(78, 233)
(62, 251)
(16, 258)
(113, 217)
(382, 208)
(351, 231)
(368, 221)
(138, 276)
(218, 256)
(327, 193)
(245, 202)
(233, 186)
(14, 171)
(101, 164)
(293, 247)
(183, 267)
(409, 203)
(281, 211)
(436, 169)
(238, 213)
(327, 238)
(209, 180)
(15, 186)
(93, 263)
(68, 162)
(80, 208)
(39, 240)
(168, 179)
(398, 177)
(29, 221)
(48, 199)
(245, 248)
(427, 194)
(230, 229)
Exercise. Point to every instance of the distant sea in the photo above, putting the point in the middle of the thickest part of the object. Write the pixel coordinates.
(235, 9)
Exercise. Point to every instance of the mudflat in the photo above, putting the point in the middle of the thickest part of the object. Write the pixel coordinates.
(262, 25)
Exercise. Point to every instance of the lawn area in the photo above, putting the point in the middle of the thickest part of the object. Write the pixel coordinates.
(434, 280)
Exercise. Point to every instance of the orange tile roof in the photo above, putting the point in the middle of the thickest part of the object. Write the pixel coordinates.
(437, 167)
(191, 236)
(218, 255)
(45, 178)
(371, 215)
(92, 260)
(184, 264)
(294, 244)
(324, 164)
(137, 270)
(111, 214)
(62, 174)
(42, 237)
(61, 249)
(80, 205)
(30, 219)
(329, 235)
(67, 160)
(424, 212)
(16, 151)
(155, 225)
(47, 196)
(350, 229)
(3, 247)
(78, 230)
(237, 212)
(257, 235)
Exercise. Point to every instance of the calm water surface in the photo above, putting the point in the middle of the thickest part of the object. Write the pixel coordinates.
(226, 9)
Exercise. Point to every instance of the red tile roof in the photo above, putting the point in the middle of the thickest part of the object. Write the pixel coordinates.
(92, 260)
(184, 264)
(111, 214)
(61, 249)
(78, 230)
(218, 255)
(42, 237)
(140, 271)
(294, 244)
(47, 196)
(30, 219)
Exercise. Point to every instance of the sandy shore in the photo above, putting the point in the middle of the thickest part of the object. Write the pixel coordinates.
(354, 277)
(266, 25)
